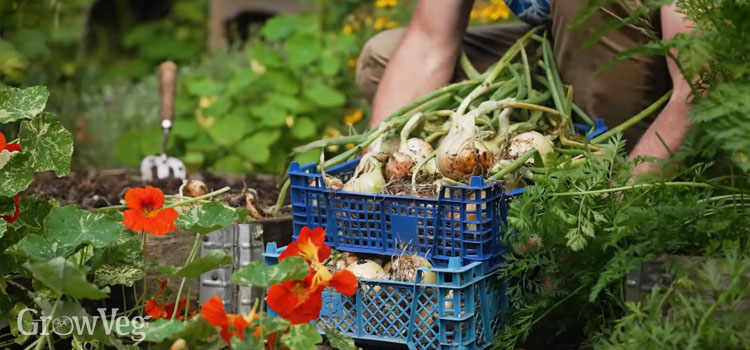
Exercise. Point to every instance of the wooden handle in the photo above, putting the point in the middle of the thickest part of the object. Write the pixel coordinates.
(167, 84)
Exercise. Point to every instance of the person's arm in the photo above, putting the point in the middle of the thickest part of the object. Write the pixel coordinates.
(426, 57)
(672, 123)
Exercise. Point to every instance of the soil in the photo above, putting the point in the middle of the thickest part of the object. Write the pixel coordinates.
(94, 188)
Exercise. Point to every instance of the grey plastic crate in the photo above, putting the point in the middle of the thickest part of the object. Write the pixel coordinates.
(246, 243)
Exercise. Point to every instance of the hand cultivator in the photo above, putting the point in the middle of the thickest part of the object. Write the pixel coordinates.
(163, 165)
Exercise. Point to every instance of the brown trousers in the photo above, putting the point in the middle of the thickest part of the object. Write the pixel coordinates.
(614, 94)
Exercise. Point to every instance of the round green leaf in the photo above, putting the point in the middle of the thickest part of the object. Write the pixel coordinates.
(302, 337)
(211, 261)
(324, 96)
(229, 129)
(258, 274)
(64, 277)
(48, 142)
(230, 164)
(71, 226)
(302, 50)
(279, 27)
(16, 175)
(304, 128)
(206, 218)
(18, 104)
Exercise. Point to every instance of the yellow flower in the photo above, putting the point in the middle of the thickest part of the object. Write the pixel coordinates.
(353, 117)
(349, 145)
(368, 20)
(380, 23)
(206, 102)
(385, 3)
(205, 122)
(289, 121)
(332, 132)
(391, 24)
(474, 14)
(348, 29)
(352, 62)
(257, 67)
(495, 12)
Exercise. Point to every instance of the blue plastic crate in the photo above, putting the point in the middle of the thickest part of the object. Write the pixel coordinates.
(463, 221)
(462, 310)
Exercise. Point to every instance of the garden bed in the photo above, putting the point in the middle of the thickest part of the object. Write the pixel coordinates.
(94, 188)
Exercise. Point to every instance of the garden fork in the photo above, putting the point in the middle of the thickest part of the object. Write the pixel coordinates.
(161, 164)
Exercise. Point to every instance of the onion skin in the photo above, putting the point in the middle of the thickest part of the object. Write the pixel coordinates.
(399, 166)
(471, 158)
(522, 143)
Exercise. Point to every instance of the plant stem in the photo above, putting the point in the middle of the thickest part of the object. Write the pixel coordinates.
(632, 121)
(418, 168)
(282, 197)
(558, 303)
(468, 68)
(199, 198)
(431, 96)
(632, 187)
(40, 342)
(514, 165)
(145, 272)
(191, 256)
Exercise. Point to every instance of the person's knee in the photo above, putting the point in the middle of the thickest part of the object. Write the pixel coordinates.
(373, 59)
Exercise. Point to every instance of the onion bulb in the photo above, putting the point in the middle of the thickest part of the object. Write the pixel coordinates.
(404, 268)
(523, 143)
(366, 269)
(368, 177)
(410, 152)
(461, 154)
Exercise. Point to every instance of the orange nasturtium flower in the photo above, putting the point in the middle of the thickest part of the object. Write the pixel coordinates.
(145, 211)
(165, 311)
(10, 147)
(231, 324)
(300, 301)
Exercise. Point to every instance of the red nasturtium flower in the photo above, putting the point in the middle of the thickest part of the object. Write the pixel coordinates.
(145, 211)
(231, 324)
(10, 147)
(165, 311)
(300, 301)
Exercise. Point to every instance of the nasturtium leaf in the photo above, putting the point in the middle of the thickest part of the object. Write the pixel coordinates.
(304, 128)
(230, 164)
(330, 63)
(72, 226)
(257, 148)
(188, 128)
(270, 114)
(7, 206)
(229, 129)
(121, 263)
(302, 50)
(5, 157)
(257, 274)
(211, 261)
(162, 329)
(204, 87)
(25, 103)
(38, 248)
(283, 82)
(339, 340)
(323, 95)
(195, 158)
(241, 79)
(33, 210)
(266, 56)
(127, 148)
(248, 342)
(285, 101)
(64, 277)
(16, 175)
(48, 142)
(206, 218)
(25, 321)
(110, 275)
(279, 27)
(272, 325)
(302, 337)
